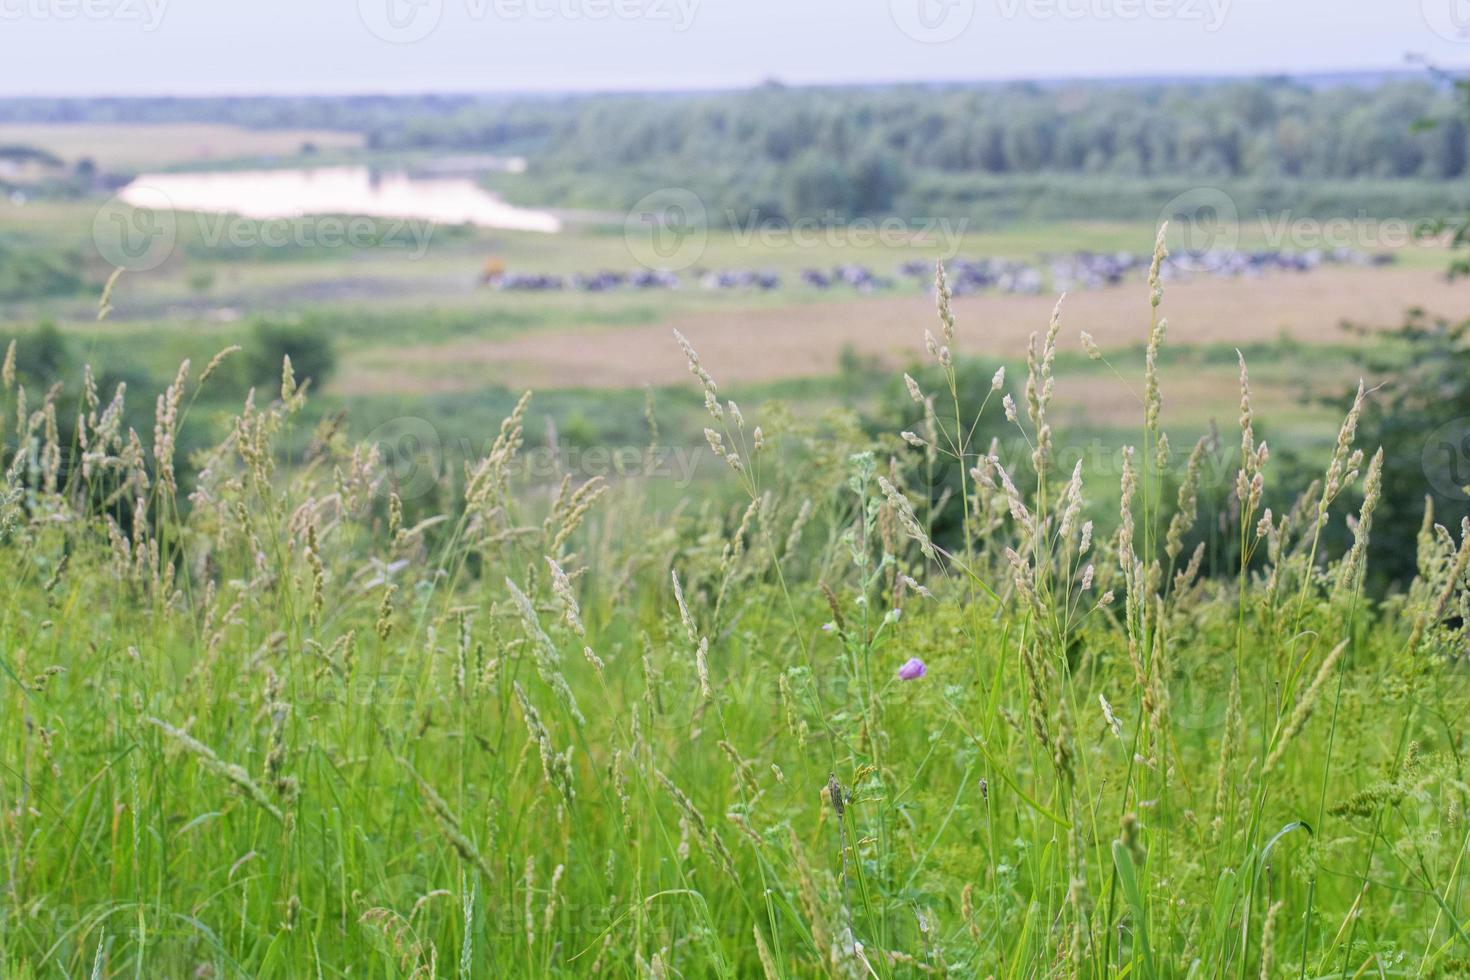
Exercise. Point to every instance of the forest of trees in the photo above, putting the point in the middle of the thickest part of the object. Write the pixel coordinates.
(869, 150)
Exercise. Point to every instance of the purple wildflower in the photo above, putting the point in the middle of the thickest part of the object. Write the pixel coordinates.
(912, 670)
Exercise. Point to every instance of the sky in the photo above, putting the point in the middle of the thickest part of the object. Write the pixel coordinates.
(212, 47)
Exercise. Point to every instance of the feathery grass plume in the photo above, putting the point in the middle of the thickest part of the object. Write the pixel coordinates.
(793, 537)
(1088, 344)
(1339, 466)
(1456, 571)
(1350, 571)
(707, 836)
(701, 667)
(1248, 454)
(768, 962)
(447, 823)
(1302, 713)
(914, 392)
(711, 390)
(689, 628)
(1268, 940)
(288, 379)
(555, 766)
(384, 625)
(1073, 508)
(1039, 386)
(942, 300)
(232, 773)
(1161, 252)
(1017, 506)
(215, 362)
(544, 653)
(318, 572)
(906, 517)
(1188, 510)
(7, 369)
(1230, 743)
(104, 302)
(1152, 398)
(487, 480)
(165, 429)
(415, 958)
(561, 587)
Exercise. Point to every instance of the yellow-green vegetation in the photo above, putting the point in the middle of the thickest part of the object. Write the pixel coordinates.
(310, 717)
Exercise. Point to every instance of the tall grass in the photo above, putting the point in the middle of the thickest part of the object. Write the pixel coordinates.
(285, 726)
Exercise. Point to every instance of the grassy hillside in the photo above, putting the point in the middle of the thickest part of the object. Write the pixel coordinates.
(347, 712)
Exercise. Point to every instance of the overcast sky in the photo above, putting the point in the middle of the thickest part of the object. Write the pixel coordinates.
(118, 47)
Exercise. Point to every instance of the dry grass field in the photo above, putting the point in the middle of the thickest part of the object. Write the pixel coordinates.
(763, 344)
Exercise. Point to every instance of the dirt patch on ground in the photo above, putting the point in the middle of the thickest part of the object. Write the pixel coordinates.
(799, 341)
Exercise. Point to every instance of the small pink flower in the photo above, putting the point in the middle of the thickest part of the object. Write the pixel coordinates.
(912, 670)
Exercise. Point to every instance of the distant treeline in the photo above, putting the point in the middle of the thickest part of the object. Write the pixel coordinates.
(841, 152)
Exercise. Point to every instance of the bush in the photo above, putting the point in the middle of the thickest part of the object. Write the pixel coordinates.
(310, 349)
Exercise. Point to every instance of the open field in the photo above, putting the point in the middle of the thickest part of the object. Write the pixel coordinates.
(757, 729)
(399, 673)
(765, 343)
(135, 146)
